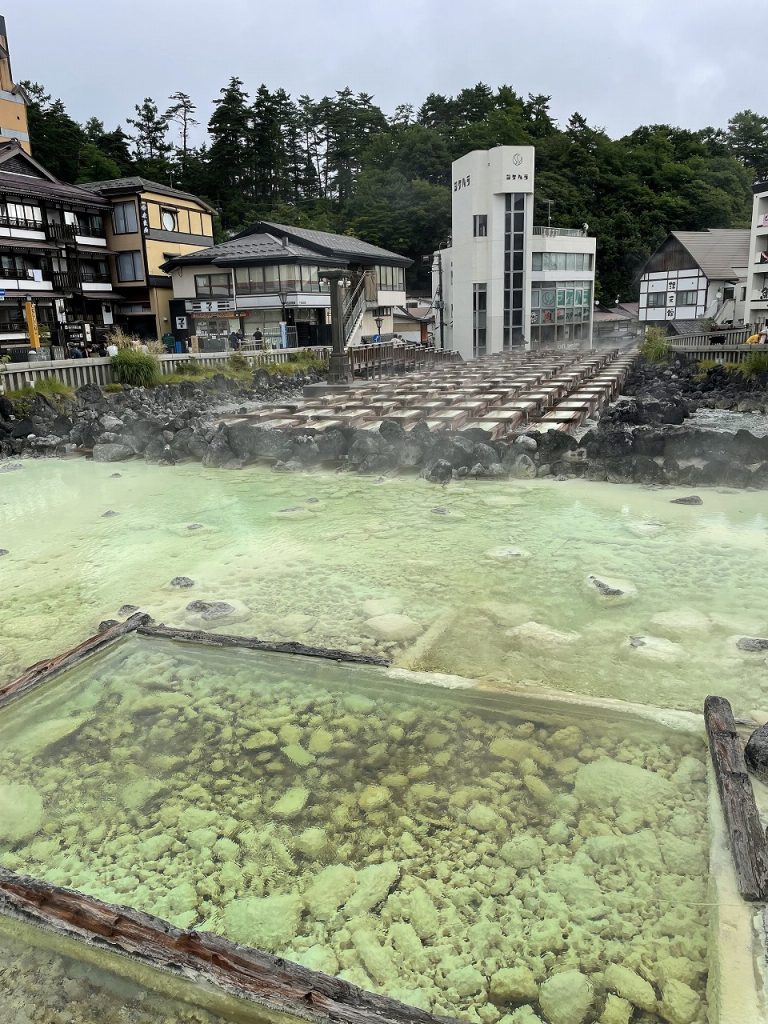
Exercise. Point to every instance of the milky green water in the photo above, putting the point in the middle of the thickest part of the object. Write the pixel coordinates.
(465, 852)
(492, 584)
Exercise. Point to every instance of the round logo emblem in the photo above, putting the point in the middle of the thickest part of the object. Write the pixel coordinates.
(517, 159)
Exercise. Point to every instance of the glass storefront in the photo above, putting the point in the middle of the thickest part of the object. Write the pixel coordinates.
(560, 311)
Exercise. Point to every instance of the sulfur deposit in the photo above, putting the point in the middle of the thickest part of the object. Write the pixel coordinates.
(436, 846)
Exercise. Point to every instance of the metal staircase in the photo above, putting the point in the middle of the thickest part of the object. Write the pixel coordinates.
(356, 301)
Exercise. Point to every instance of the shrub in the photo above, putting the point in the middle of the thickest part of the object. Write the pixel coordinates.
(755, 365)
(112, 388)
(239, 363)
(55, 390)
(139, 369)
(655, 346)
(52, 387)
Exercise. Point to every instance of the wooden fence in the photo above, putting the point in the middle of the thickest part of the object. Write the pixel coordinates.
(77, 372)
(364, 360)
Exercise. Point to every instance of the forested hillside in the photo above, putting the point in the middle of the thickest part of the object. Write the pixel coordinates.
(340, 163)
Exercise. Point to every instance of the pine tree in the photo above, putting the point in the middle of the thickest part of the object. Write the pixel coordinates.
(181, 112)
(150, 143)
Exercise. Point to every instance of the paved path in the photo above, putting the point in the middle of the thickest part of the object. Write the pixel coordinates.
(501, 395)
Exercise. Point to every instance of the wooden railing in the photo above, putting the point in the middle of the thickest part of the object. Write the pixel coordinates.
(707, 339)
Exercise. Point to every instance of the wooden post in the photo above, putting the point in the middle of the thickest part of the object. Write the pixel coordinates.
(745, 833)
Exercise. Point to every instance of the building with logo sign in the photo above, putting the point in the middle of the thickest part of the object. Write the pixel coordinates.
(695, 275)
(756, 311)
(267, 281)
(149, 223)
(505, 283)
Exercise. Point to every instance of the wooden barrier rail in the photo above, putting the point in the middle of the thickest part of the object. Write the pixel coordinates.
(717, 353)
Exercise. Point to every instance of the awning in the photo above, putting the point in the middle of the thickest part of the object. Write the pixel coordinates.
(25, 243)
(102, 249)
(101, 296)
(14, 293)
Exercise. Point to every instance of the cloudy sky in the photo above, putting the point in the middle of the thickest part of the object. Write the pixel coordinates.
(620, 63)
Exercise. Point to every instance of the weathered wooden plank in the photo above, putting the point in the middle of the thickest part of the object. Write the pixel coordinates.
(239, 970)
(48, 668)
(251, 643)
(745, 833)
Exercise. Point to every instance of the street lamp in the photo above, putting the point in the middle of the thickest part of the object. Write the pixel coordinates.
(338, 371)
(379, 320)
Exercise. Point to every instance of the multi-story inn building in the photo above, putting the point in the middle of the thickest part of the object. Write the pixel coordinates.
(756, 312)
(268, 279)
(53, 253)
(505, 283)
(695, 275)
(149, 223)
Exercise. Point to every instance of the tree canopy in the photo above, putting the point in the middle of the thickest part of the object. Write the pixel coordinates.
(340, 163)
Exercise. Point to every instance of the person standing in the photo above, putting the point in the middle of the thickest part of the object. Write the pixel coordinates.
(762, 335)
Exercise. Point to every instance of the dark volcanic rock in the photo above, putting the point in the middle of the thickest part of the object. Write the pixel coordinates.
(3, 551)
(109, 514)
(756, 753)
(210, 610)
(127, 609)
(112, 453)
(438, 472)
(752, 643)
(692, 499)
(182, 581)
(105, 625)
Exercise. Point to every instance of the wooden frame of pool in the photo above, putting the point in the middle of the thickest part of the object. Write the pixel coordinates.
(213, 973)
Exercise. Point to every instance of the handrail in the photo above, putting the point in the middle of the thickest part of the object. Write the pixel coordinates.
(551, 232)
(353, 308)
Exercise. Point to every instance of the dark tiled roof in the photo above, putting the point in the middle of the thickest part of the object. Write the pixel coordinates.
(330, 244)
(42, 188)
(684, 327)
(257, 248)
(121, 186)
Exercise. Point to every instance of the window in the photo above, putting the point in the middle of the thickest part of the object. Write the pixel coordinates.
(743, 294)
(169, 219)
(480, 225)
(290, 277)
(213, 286)
(514, 249)
(124, 220)
(687, 298)
(479, 318)
(657, 299)
(23, 215)
(129, 266)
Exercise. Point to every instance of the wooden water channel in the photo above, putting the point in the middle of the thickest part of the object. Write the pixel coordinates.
(500, 396)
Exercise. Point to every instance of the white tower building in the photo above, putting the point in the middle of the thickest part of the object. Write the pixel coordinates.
(507, 283)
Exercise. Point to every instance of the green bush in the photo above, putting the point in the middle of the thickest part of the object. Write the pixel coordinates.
(239, 363)
(655, 346)
(755, 365)
(139, 369)
(52, 387)
(112, 388)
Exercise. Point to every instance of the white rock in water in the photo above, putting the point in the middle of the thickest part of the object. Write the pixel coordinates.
(630, 986)
(656, 648)
(606, 782)
(514, 985)
(679, 1003)
(377, 606)
(467, 981)
(317, 958)
(611, 590)
(45, 734)
(291, 803)
(505, 554)
(393, 628)
(373, 885)
(536, 634)
(266, 923)
(680, 622)
(566, 998)
(331, 888)
(484, 818)
(644, 529)
(21, 812)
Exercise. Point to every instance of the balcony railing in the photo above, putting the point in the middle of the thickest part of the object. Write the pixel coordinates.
(13, 327)
(95, 277)
(60, 232)
(550, 232)
(64, 280)
(26, 223)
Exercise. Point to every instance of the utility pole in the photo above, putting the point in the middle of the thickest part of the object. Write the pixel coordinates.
(339, 365)
(441, 308)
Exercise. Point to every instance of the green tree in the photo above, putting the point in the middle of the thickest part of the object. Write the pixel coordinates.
(181, 113)
(151, 147)
(747, 139)
(56, 139)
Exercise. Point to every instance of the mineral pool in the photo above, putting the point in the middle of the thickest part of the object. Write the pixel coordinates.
(596, 589)
(479, 855)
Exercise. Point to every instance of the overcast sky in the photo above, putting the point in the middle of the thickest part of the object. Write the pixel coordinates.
(620, 63)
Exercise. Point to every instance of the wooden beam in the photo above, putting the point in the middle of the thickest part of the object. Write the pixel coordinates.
(250, 643)
(47, 669)
(745, 832)
(258, 977)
